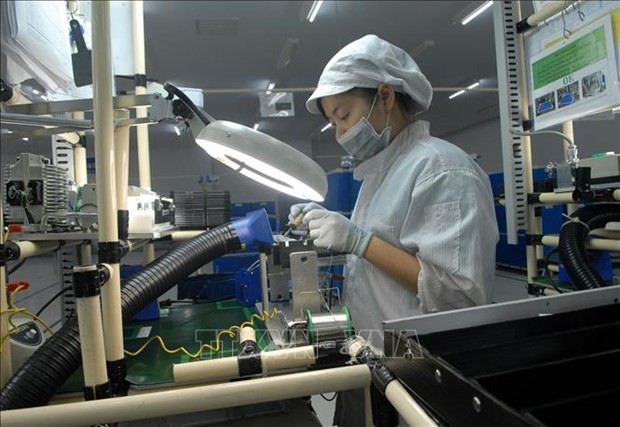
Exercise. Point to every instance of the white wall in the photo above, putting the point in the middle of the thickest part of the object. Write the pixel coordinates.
(591, 136)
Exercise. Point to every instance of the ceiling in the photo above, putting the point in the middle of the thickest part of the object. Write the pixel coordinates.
(237, 44)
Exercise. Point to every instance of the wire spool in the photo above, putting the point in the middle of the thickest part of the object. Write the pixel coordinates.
(328, 326)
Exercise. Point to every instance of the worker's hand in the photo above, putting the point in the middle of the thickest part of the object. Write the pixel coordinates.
(334, 231)
(302, 208)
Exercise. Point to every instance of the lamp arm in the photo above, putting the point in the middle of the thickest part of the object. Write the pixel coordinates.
(200, 113)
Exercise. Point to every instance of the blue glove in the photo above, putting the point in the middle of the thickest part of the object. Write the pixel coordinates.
(334, 231)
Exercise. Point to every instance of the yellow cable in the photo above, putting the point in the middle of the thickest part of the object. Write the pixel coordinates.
(15, 310)
(215, 349)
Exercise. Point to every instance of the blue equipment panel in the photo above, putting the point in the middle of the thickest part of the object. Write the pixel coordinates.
(514, 255)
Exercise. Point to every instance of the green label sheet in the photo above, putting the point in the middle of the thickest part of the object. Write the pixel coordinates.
(584, 51)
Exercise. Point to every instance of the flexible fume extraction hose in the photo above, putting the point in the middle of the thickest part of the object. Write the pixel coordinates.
(572, 242)
(50, 366)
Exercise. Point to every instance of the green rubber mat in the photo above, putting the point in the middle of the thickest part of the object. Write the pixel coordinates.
(186, 325)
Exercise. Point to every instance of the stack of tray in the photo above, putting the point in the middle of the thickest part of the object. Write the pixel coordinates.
(554, 367)
(201, 209)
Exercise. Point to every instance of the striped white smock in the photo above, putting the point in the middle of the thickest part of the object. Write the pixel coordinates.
(428, 197)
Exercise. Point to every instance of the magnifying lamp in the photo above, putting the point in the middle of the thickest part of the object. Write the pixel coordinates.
(256, 155)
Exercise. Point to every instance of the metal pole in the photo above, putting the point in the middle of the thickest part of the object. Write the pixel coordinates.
(109, 247)
(191, 399)
(567, 129)
(6, 369)
(263, 281)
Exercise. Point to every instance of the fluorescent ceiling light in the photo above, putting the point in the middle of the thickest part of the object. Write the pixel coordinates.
(264, 159)
(461, 92)
(255, 127)
(455, 94)
(327, 126)
(25, 138)
(270, 88)
(316, 5)
(484, 6)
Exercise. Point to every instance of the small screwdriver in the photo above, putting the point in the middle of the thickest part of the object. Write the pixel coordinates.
(292, 225)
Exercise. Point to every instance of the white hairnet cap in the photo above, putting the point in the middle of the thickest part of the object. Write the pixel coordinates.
(368, 62)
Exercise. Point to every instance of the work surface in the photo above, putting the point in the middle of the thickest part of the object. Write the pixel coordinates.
(182, 325)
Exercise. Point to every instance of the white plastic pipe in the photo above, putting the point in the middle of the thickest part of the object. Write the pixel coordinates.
(367, 407)
(556, 198)
(121, 152)
(191, 399)
(139, 67)
(534, 224)
(106, 173)
(6, 369)
(596, 244)
(29, 249)
(206, 370)
(228, 367)
(79, 157)
(548, 11)
(407, 407)
(91, 340)
(142, 131)
(185, 234)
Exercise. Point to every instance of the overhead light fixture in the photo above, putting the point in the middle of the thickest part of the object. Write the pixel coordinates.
(24, 139)
(455, 94)
(256, 155)
(461, 92)
(316, 5)
(270, 88)
(327, 126)
(255, 127)
(473, 15)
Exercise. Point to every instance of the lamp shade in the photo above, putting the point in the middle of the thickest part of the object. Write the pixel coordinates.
(264, 159)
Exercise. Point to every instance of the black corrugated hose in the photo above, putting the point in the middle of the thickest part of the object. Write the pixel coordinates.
(54, 362)
(572, 242)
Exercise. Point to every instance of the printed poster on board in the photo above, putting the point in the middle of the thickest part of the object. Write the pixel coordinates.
(576, 77)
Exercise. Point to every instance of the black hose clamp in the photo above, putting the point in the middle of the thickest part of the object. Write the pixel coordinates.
(101, 391)
(139, 80)
(117, 371)
(110, 252)
(533, 239)
(123, 224)
(381, 376)
(330, 353)
(6, 91)
(249, 364)
(86, 281)
(9, 251)
(523, 26)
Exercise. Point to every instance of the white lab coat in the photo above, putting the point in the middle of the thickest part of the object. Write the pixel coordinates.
(428, 197)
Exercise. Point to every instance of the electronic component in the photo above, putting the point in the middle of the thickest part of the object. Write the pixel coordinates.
(24, 341)
(34, 187)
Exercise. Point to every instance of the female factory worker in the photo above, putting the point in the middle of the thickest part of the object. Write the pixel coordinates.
(423, 232)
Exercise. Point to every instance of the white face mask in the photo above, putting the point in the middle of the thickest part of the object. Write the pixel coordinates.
(362, 141)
